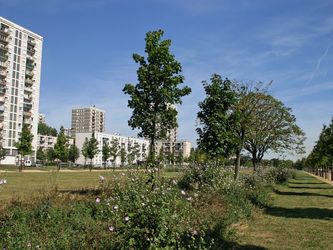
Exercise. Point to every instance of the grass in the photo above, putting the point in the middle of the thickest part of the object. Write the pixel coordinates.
(301, 217)
(22, 185)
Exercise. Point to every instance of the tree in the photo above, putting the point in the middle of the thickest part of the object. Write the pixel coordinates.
(73, 153)
(217, 137)
(90, 149)
(133, 153)
(123, 156)
(40, 155)
(44, 129)
(105, 153)
(3, 152)
(272, 128)
(24, 144)
(114, 150)
(61, 147)
(157, 90)
(50, 155)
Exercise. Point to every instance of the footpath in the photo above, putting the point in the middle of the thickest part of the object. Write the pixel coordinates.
(300, 217)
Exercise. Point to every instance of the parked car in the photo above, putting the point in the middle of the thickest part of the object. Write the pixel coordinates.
(27, 163)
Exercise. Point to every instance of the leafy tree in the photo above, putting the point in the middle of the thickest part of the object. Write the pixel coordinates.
(157, 90)
(50, 155)
(24, 144)
(90, 149)
(61, 146)
(217, 137)
(73, 153)
(114, 150)
(105, 153)
(273, 128)
(84, 150)
(40, 155)
(133, 153)
(3, 152)
(123, 156)
(44, 129)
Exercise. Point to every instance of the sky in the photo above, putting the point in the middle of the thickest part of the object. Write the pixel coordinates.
(88, 47)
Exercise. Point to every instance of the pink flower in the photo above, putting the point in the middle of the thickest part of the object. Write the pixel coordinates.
(127, 218)
(101, 178)
(115, 207)
(111, 228)
(98, 200)
(183, 192)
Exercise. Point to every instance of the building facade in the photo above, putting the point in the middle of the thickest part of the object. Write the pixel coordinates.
(180, 150)
(127, 144)
(20, 70)
(48, 141)
(88, 120)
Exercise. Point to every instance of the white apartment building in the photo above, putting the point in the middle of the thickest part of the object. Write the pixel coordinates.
(47, 141)
(20, 70)
(126, 143)
(180, 149)
(88, 120)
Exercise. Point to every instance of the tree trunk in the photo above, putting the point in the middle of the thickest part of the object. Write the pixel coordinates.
(90, 166)
(21, 164)
(151, 157)
(237, 164)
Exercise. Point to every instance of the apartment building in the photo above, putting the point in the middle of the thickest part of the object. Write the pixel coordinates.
(48, 141)
(20, 70)
(179, 149)
(128, 144)
(88, 120)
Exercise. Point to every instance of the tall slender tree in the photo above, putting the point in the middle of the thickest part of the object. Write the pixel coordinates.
(90, 149)
(157, 90)
(24, 144)
(217, 119)
(61, 147)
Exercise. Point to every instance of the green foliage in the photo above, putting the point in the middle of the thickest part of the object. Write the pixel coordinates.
(24, 144)
(41, 155)
(44, 129)
(133, 153)
(61, 146)
(217, 119)
(90, 148)
(50, 155)
(157, 90)
(123, 156)
(114, 150)
(273, 128)
(105, 152)
(73, 153)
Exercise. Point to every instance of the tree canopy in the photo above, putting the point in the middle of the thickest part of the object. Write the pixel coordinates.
(153, 98)
(24, 144)
(44, 129)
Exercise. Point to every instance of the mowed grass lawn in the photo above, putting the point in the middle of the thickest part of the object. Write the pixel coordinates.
(24, 185)
(301, 217)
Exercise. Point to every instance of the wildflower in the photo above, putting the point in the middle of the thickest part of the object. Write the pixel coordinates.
(101, 178)
(111, 228)
(127, 218)
(29, 244)
(123, 174)
(189, 198)
(98, 200)
(196, 195)
(143, 204)
(183, 192)
(3, 181)
(115, 207)
(195, 232)
(174, 182)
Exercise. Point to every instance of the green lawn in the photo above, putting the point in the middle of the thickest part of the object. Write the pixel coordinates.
(25, 184)
(301, 217)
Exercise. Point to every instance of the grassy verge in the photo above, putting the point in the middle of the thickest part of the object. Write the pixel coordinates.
(301, 217)
(25, 184)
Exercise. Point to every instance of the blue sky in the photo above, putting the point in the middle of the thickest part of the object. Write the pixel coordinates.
(88, 47)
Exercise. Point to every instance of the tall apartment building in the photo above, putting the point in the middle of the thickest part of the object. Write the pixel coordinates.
(88, 120)
(20, 70)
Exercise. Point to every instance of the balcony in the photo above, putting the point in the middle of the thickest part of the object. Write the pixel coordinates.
(3, 56)
(3, 65)
(30, 58)
(3, 73)
(2, 99)
(4, 39)
(29, 73)
(2, 90)
(3, 48)
(27, 114)
(31, 42)
(4, 31)
(31, 51)
(27, 90)
(27, 106)
(27, 98)
(29, 82)
(30, 66)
